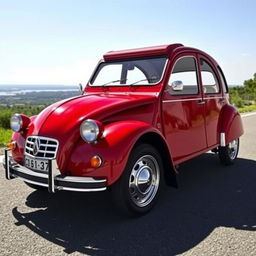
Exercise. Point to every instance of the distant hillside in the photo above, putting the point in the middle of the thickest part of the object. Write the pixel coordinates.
(27, 95)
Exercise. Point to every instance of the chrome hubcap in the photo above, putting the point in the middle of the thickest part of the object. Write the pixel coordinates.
(233, 147)
(144, 180)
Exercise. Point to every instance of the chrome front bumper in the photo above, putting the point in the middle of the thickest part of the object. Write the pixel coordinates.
(52, 180)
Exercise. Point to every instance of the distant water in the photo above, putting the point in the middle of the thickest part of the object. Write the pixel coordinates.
(12, 90)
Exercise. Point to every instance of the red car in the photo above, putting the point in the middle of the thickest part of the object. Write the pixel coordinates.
(143, 112)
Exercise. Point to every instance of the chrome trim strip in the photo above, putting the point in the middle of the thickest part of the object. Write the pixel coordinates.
(30, 149)
(222, 139)
(182, 100)
(51, 177)
(39, 151)
(47, 152)
(41, 137)
(82, 189)
(51, 187)
(49, 145)
(210, 98)
(67, 178)
(7, 163)
(80, 179)
(125, 93)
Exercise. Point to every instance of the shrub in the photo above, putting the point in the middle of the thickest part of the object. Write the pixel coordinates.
(7, 112)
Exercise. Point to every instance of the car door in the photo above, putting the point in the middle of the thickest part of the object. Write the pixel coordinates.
(183, 109)
(213, 98)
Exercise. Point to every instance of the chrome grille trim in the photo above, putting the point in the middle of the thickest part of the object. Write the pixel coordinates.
(48, 147)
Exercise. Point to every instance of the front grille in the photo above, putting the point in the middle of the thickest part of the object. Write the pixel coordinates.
(41, 147)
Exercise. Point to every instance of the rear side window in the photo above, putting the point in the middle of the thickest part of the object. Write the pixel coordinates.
(209, 79)
(184, 71)
(223, 80)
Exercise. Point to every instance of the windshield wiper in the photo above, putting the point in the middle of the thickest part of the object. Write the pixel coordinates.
(114, 81)
(139, 81)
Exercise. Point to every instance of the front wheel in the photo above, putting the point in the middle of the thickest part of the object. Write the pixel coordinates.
(228, 154)
(136, 192)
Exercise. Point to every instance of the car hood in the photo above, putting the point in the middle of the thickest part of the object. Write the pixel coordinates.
(68, 113)
(62, 120)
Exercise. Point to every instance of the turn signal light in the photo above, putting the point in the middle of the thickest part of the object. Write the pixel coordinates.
(12, 145)
(96, 161)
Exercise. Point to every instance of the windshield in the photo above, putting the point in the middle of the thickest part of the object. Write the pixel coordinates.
(146, 71)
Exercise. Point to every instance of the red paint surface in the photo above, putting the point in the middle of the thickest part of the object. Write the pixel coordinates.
(127, 113)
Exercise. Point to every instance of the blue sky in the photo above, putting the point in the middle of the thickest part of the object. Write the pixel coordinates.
(60, 42)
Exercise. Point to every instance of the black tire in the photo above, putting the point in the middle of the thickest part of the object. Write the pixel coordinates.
(228, 154)
(137, 190)
(40, 188)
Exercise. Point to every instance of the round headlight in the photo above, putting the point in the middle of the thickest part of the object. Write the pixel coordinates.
(89, 130)
(16, 122)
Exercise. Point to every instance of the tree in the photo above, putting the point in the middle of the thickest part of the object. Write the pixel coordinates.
(250, 88)
(235, 97)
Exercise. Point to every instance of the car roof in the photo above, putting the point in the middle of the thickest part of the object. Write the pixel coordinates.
(141, 52)
(160, 50)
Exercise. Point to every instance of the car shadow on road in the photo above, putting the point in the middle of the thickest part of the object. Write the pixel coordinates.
(209, 196)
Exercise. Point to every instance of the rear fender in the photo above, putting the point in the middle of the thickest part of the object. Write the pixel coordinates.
(230, 125)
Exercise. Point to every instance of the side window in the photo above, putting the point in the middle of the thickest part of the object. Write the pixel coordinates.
(184, 71)
(209, 79)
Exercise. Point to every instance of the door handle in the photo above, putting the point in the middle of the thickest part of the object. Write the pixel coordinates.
(201, 102)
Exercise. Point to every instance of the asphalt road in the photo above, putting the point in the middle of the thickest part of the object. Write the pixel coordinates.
(212, 213)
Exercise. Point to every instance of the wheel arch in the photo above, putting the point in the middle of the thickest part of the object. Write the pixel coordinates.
(115, 147)
(155, 140)
(230, 124)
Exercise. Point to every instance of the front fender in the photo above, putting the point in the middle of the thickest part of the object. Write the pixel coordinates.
(114, 148)
(230, 123)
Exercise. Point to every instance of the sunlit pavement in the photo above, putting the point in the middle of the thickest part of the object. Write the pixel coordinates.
(212, 213)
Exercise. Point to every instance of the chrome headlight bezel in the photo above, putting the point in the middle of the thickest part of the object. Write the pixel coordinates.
(16, 122)
(89, 131)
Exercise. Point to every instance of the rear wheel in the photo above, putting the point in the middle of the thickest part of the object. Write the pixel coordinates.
(228, 154)
(136, 192)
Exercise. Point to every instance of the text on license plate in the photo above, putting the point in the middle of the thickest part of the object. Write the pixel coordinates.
(36, 164)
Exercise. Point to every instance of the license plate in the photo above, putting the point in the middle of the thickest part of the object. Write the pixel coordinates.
(36, 164)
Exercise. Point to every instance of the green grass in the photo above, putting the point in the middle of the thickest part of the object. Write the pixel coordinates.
(5, 136)
(249, 108)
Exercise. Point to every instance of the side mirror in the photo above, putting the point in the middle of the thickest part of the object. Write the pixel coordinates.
(81, 88)
(177, 85)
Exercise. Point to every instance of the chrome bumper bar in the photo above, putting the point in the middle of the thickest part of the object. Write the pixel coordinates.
(51, 180)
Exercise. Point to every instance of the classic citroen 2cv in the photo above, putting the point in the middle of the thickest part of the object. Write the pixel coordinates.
(143, 112)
